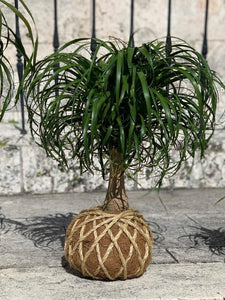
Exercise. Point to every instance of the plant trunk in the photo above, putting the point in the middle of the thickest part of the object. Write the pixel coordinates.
(116, 199)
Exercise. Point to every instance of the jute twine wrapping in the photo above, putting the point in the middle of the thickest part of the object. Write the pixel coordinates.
(101, 245)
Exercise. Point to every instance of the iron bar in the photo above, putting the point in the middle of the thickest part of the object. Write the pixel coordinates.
(93, 36)
(205, 42)
(168, 37)
(20, 69)
(204, 54)
(132, 24)
(56, 35)
(56, 44)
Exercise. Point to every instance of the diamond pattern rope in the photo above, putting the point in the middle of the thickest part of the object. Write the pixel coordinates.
(129, 224)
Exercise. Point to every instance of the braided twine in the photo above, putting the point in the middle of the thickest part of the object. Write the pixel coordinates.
(88, 223)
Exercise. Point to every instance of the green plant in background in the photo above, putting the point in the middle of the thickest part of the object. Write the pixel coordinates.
(124, 109)
(9, 37)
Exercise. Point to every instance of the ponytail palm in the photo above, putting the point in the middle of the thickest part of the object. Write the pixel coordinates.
(125, 107)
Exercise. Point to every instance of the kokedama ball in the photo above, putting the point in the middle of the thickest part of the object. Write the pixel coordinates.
(103, 245)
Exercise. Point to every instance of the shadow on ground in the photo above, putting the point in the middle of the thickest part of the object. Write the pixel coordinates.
(49, 232)
(44, 231)
(213, 239)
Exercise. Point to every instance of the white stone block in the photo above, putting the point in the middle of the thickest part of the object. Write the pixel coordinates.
(10, 175)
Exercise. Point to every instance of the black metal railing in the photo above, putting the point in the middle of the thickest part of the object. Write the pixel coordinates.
(56, 32)
(93, 42)
(168, 36)
(56, 43)
(93, 35)
(20, 71)
(132, 23)
(205, 42)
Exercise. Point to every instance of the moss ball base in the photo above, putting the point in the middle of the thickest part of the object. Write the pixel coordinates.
(109, 246)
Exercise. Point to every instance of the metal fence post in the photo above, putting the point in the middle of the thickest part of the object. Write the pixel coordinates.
(205, 42)
(56, 44)
(56, 35)
(132, 24)
(20, 70)
(168, 37)
(93, 36)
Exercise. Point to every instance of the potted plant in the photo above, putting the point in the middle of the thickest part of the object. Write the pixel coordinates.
(124, 109)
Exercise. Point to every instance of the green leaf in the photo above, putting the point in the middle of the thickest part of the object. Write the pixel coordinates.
(166, 107)
(145, 90)
(119, 74)
(122, 134)
(220, 199)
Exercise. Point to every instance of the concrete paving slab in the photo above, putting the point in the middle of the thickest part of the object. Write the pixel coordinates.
(188, 253)
(183, 281)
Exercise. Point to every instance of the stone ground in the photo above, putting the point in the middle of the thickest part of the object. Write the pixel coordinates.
(188, 253)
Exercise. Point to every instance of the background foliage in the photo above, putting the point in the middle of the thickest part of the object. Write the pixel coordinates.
(8, 37)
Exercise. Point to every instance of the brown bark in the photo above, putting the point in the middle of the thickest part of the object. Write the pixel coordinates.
(116, 199)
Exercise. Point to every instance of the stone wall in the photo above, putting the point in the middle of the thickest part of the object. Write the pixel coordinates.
(25, 167)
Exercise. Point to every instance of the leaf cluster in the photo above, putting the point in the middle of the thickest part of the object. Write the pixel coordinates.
(9, 37)
(141, 101)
